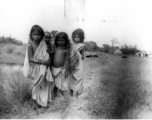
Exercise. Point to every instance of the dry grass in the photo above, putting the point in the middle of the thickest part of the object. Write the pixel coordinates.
(15, 94)
(118, 90)
(12, 54)
(16, 101)
(114, 88)
(83, 108)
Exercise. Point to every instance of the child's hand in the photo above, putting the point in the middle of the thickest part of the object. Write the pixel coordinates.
(82, 57)
(66, 74)
(46, 62)
(49, 59)
(47, 51)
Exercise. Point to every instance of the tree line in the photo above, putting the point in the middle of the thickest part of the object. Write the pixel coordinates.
(106, 48)
(90, 46)
(125, 49)
(7, 40)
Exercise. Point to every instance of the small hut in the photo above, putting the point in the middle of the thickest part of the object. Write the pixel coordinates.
(140, 54)
(118, 52)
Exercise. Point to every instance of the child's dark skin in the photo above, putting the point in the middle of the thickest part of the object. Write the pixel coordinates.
(60, 54)
(59, 59)
(50, 47)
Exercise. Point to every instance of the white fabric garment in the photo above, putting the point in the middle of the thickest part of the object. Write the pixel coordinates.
(40, 74)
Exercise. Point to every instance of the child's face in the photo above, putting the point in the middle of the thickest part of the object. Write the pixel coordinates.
(36, 36)
(76, 39)
(61, 42)
(47, 38)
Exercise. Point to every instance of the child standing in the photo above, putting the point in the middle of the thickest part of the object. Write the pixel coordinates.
(60, 62)
(36, 64)
(50, 46)
(50, 51)
(76, 64)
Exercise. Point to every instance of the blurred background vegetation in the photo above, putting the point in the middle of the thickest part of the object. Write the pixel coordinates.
(13, 51)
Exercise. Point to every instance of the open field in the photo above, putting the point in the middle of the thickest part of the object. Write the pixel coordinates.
(114, 88)
(12, 54)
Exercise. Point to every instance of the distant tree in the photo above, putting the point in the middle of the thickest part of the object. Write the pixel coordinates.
(91, 46)
(106, 48)
(129, 49)
(113, 42)
(87, 46)
(7, 40)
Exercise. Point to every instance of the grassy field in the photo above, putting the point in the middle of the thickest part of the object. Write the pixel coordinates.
(12, 54)
(114, 88)
(121, 88)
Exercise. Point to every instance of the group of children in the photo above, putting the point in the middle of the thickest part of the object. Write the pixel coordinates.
(56, 67)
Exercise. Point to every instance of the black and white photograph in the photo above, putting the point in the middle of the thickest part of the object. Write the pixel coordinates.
(104, 70)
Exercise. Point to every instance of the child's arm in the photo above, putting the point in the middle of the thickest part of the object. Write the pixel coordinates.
(82, 53)
(50, 49)
(31, 55)
(67, 64)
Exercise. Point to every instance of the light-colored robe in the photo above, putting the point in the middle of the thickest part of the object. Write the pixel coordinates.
(60, 78)
(40, 74)
(76, 67)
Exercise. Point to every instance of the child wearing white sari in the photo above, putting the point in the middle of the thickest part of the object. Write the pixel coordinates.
(36, 67)
(76, 56)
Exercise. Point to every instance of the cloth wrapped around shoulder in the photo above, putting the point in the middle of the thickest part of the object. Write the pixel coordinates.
(76, 67)
(32, 70)
(40, 74)
(75, 57)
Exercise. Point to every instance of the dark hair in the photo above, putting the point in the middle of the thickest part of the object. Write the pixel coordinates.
(80, 33)
(47, 32)
(64, 36)
(36, 28)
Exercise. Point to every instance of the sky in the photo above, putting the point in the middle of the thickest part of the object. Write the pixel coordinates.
(130, 21)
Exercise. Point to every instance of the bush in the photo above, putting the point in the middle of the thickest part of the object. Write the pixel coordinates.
(15, 92)
(20, 51)
(6, 40)
(12, 54)
(10, 50)
(91, 46)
